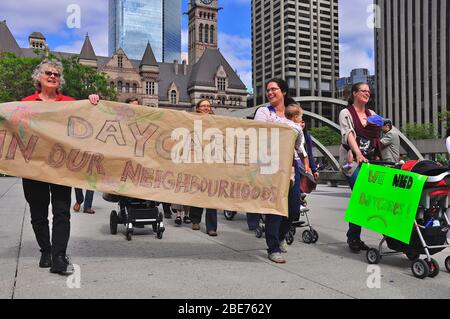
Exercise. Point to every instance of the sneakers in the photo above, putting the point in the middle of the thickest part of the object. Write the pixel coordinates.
(277, 258)
(61, 265)
(284, 246)
(195, 226)
(212, 233)
(77, 207)
(357, 245)
(46, 260)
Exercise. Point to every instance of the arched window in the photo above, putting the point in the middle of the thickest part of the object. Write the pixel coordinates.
(127, 87)
(173, 97)
(201, 32)
(206, 33)
(134, 88)
(119, 86)
(212, 34)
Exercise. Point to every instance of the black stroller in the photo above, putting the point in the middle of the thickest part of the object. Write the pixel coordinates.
(134, 212)
(429, 235)
(309, 236)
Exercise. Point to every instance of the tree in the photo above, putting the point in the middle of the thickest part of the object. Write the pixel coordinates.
(15, 76)
(81, 81)
(326, 135)
(16, 83)
(419, 131)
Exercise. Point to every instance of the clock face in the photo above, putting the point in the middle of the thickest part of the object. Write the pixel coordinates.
(207, 1)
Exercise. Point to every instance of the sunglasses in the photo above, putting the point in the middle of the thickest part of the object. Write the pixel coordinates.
(49, 73)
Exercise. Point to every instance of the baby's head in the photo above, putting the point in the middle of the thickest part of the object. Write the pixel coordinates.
(294, 112)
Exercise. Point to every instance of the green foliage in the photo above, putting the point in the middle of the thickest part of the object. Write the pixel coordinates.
(419, 131)
(15, 77)
(81, 81)
(326, 135)
(445, 118)
(442, 158)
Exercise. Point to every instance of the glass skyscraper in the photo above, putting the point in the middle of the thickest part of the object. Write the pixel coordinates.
(133, 23)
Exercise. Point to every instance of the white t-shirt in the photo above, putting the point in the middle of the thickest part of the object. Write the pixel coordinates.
(265, 115)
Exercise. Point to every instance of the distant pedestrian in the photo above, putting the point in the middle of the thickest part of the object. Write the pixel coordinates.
(87, 207)
(390, 143)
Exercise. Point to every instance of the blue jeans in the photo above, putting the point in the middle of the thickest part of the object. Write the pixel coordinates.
(80, 199)
(278, 226)
(354, 231)
(195, 213)
(253, 220)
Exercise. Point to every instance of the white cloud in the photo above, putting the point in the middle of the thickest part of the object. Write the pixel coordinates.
(237, 51)
(50, 18)
(356, 37)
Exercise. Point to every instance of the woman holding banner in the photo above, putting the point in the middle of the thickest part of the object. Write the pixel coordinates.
(48, 78)
(203, 107)
(276, 226)
(362, 138)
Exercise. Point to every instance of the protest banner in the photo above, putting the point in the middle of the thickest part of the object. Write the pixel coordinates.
(385, 200)
(150, 153)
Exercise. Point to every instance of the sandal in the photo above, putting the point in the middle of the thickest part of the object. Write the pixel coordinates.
(178, 220)
(187, 220)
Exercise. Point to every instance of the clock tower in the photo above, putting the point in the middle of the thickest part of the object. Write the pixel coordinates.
(202, 27)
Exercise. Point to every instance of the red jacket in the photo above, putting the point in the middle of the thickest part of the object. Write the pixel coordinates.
(59, 97)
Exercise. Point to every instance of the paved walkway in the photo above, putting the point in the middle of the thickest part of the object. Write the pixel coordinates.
(190, 264)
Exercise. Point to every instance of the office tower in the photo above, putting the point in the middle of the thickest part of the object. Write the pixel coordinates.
(413, 60)
(297, 40)
(343, 85)
(134, 23)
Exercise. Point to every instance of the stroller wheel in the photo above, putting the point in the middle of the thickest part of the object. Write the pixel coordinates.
(373, 256)
(289, 238)
(258, 232)
(155, 228)
(420, 269)
(412, 256)
(129, 232)
(113, 222)
(315, 236)
(307, 236)
(159, 234)
(434, 268)
(229, 215)
(447, 263)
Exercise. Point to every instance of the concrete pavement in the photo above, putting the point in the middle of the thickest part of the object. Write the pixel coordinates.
(188, 264)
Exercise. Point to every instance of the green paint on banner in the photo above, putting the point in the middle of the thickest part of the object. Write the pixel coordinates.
(385, 200)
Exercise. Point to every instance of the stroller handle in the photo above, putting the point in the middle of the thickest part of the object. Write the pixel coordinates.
(383, 163)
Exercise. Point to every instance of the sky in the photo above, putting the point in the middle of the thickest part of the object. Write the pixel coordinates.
(54, 18)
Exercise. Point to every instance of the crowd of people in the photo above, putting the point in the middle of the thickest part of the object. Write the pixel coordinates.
(362, 140)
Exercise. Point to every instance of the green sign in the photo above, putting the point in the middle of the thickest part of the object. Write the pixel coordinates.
(385, 200)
